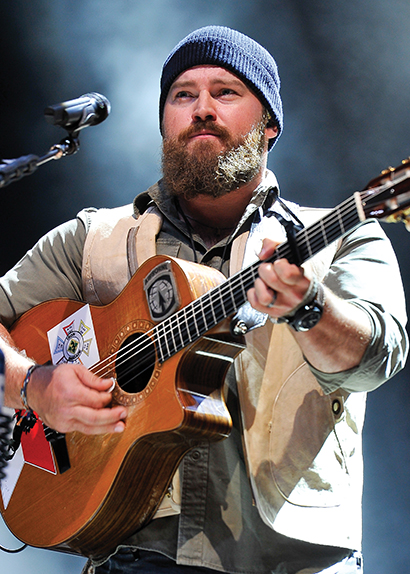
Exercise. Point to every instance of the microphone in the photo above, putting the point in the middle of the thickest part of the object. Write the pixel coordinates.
(74, 115)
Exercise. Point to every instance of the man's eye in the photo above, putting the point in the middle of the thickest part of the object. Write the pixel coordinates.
(181, 94)
(227, 92)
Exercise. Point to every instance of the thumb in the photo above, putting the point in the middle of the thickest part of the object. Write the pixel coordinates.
(89, 379)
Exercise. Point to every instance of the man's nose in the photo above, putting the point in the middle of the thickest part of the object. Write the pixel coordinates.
(204, 108)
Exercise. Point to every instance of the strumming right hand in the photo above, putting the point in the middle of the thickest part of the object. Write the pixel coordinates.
(70, 398)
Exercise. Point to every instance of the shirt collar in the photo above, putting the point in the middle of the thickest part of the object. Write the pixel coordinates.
(159, 195)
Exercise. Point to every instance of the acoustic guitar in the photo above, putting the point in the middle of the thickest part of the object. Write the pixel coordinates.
(167, 341)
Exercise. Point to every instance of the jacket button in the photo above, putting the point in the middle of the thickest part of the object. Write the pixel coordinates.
(336, 407)
(195, 455)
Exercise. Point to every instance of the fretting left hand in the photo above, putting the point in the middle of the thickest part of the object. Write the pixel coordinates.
(280, 287)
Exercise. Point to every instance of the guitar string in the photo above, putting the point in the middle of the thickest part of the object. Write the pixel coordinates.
(309, 239)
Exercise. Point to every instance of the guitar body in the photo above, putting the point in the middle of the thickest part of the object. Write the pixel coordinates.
(116, 482)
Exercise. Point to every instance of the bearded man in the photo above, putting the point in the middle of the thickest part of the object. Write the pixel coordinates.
(281, 494)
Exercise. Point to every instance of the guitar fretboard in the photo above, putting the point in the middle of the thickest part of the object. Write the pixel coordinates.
(193, 321)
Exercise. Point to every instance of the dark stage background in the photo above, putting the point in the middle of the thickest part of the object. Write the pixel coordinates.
(345, 69)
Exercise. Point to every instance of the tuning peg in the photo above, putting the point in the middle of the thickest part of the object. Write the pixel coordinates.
(388, 170)
(404, 217)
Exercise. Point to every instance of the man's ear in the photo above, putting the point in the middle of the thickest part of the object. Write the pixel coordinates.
(271, 132)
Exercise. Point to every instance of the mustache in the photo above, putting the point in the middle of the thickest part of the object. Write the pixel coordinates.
(201, 126)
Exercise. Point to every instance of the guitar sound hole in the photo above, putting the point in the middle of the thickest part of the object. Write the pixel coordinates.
(135, 363)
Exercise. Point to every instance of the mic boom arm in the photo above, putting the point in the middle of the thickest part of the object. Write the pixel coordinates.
(73, 115)
(12, 170)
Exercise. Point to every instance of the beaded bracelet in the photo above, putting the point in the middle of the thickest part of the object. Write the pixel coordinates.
(23, 391)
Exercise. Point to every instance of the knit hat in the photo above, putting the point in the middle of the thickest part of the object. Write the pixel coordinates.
(230, 49)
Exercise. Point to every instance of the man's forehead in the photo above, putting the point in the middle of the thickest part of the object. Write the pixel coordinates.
(213, 73)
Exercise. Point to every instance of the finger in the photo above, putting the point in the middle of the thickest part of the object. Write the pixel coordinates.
(288, 273)
(93, 421)
(268, 248)
(101, 417)
(263, 292)
(94, 391)
(253, 299)
(93, 381)
(280, 274)
(282, 280)
(109, 429)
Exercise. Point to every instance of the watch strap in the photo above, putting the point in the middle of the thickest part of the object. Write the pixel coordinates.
(308, 298)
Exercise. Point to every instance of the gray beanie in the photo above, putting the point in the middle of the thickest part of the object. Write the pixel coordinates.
(227, 48)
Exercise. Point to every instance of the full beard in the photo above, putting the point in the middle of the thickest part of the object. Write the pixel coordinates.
(206, 171)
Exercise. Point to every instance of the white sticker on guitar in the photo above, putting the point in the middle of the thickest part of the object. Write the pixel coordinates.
(73, 340)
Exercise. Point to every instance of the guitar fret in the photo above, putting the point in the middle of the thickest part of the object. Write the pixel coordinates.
(239, 294)
(308, 243)
(338, 229)
(212, 308)
(203, 315)
(183, 331)
(166, 340)
(185, 327)
(340, 219)
(200, 323)
(323, 231)
(247, 278)
(181, 338)
(223, 311)
(229, 306)
(217, 304)
(191, 325)
(174, 335)
(243, 290)
(158, 344)
(326, 231)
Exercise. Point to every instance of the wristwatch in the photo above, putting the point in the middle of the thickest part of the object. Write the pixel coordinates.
(309, 314)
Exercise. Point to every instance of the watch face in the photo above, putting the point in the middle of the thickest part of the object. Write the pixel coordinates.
(310, 320)
(307, 317)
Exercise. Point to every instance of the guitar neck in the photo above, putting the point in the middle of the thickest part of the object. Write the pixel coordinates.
(311, 240)
(193, 321)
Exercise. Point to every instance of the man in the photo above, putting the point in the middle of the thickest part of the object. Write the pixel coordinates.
(283, 493)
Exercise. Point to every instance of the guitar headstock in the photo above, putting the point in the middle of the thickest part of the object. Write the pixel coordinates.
(387, 197)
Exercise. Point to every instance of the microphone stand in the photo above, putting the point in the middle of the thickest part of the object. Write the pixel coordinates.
(12, 170)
